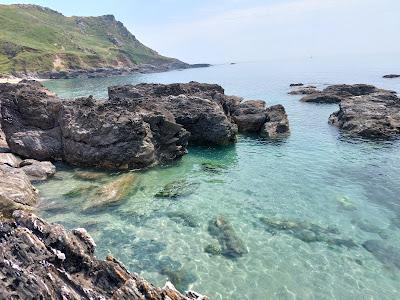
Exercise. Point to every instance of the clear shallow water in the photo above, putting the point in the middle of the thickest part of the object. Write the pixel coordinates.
(315, 176)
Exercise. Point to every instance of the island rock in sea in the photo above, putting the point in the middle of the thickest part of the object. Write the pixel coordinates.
(364, 110)
(44, 261)
(136, 127)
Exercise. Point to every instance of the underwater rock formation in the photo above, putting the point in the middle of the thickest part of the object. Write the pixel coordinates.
(231, 245)
(306, 232)
(383, 252)
(39, 260)
(113, 192)
(176, 189)
(136, 127)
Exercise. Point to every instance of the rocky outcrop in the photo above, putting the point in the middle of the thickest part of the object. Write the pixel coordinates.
(304, 90)
(136, 127)
(277, 122)
(373, 116)
(390, 76)
(336, 93)
(16, 191)
(364, 110)
(16, 177)
(39, 260)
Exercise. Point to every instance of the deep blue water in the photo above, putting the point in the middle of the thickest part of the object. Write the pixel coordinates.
(328, 188)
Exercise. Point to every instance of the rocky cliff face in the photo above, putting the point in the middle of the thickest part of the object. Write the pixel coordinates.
(137, 127)
(39, 260)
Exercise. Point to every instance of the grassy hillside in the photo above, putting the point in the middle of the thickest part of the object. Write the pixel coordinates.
(37, 39)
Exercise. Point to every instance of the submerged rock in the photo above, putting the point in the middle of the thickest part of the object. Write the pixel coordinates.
(212, 167)
(90, 175)
(176, 189)
(80, 191)
(383, 252)
(346, 203)
(183, 218)
(44, 261)
(113, 192)
(231, 245)
(307, 232)
(213, 249)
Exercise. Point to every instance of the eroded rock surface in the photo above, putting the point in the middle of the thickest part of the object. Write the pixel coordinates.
(364, 110)
(39, 260)
(136, 127)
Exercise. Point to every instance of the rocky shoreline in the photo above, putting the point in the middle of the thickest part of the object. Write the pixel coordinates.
(136, 127)
(364, 110)
(105, 71)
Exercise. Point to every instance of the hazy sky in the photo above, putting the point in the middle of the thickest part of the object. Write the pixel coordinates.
(247, 30)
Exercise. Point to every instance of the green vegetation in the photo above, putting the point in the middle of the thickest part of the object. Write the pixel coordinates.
(38, 39)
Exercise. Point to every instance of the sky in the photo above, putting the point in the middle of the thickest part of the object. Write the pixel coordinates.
(220, 31)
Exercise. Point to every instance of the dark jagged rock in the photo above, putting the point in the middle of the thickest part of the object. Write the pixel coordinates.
(364, 110)
(296, 84)
(389, 76)
(277, 122)
(39, 260)
(375, 115)
(231, 245)
(336, 93)
(250, 116)
(137, 127)
(306, 90)
(321, 97)
(383, 252)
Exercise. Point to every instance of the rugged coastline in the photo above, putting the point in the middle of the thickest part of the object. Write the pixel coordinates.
(136, 127)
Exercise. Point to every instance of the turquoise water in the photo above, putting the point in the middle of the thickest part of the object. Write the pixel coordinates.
(337, 193)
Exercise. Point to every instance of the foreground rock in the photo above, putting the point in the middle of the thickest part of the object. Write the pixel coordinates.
(44, 261)
(364, 110)
(16, 191)
(136, 127)
(277, 122)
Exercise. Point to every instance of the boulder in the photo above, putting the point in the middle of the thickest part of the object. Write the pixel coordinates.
(113, 192)
(277, 123)
(37, 170)
(16, 190)
(250, 116)
(44, 261)
(10, 160)
(375, 115)
(321, 97)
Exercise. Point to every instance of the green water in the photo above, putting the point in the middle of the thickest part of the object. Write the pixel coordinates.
(337, 191)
